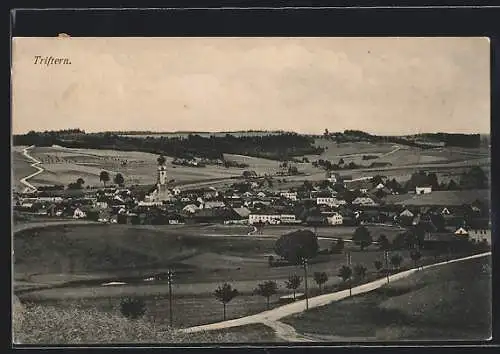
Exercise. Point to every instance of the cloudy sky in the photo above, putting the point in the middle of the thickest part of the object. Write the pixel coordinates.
(379, 85)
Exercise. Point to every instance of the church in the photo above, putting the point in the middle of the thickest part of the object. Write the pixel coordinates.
(161, 193)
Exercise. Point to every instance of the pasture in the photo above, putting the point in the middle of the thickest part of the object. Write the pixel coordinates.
(451, 302)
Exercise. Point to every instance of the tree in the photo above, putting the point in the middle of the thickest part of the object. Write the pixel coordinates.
(383, 242)
(161, 160)
(337, 247)
(119, 180)
(297, 245)
(320, 278)
(415, 255)
(225, 294)
(341, 161)
(267, 289)
(359, 271)
(293, 283)
(345, 273)
(80, 181)
(104, 177)
(452, 185)
(362, 237)
(378, 265)
(396, 260)
(132, 308)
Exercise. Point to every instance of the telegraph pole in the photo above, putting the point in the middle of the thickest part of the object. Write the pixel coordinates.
(170, 276)
(386, 256)
(305, 283)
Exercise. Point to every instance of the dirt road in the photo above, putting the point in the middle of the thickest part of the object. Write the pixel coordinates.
(271, 318)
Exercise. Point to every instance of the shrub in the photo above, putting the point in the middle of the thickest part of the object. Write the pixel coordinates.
(133, 308)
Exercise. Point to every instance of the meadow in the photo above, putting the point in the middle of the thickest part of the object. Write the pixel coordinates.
(46, 324)
(451, 302)
(73, 261)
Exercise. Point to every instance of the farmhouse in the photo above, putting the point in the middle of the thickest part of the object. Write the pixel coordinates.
(213, 204)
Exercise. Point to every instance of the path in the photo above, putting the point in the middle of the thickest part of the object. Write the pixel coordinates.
(35, 164)
(271, 317)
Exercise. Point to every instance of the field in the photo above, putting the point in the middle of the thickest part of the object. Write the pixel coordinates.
(63, 166)
(47, 324)
(446, 198)
(73, 262)
(452, 302)
(21, 167)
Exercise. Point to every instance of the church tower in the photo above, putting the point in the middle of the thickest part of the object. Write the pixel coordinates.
(161, 181)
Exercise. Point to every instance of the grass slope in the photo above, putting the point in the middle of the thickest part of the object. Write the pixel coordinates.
(47, 324)
(450, 302)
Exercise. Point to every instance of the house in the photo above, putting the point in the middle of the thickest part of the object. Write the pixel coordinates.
(213, 204)
(461, 232)
(289, 195)
(423, 190)
(101, 204)
(333, 177)
(363, 201)
(176, 191)
(362, 184)
(287, 219)
(104, 215)
(185, 199)
(335, 219)
(445, 211)
(264, 218)
(79, 214)
(261, 195)
(406, 213)
(243, 212)
(326, 201)
(190, 208)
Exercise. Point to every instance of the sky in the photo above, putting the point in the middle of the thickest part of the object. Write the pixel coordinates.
(378, 85)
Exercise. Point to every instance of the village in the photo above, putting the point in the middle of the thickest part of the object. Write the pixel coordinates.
(250, 200)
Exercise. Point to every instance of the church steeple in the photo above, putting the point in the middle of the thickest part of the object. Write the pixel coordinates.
(162, 172)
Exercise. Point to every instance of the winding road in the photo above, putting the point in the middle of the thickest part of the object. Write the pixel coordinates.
(272, 317)
(35, 164)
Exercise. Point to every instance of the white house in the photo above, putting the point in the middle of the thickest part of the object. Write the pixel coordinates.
(335, 219)
(264, 218)
(176, 191)
(190, 208)
(289, 195)
(445, 211)
(333, 177)
(406, 213)
(330, 201)
(287, 219)
(423, 190)
(363, 201)
(150, 204)
(185, 199)
(101, 205)
(461, 232)
(79, 214)
(261, 195)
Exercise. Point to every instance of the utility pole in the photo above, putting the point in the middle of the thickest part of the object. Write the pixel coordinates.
(170, 276)
(386, 257)
(305, 283)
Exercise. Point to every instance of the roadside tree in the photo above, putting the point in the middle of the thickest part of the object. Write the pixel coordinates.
(225, 294)
(267, 289)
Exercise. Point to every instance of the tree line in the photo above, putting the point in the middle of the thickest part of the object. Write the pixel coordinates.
(273, 146)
